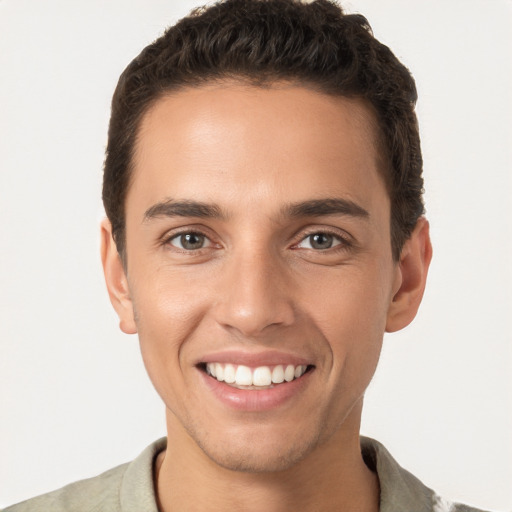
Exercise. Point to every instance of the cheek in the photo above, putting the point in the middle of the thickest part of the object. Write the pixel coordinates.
(167, 302)
(352, 318)
(167, 312)
(354, 302)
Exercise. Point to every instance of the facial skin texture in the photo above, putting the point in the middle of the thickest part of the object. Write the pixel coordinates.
(257, 286)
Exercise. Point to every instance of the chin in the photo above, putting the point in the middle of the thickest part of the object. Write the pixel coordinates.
(257, 453)
(255, 461)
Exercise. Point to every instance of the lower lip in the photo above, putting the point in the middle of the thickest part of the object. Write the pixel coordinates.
(253, 400)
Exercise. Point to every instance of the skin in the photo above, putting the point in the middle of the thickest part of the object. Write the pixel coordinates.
(259, 285)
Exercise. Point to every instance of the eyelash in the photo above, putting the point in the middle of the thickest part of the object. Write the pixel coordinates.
(344, 241)
(168, 238)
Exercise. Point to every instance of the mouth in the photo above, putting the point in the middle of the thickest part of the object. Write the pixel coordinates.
(244, 377)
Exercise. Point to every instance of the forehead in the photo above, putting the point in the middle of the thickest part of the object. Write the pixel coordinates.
(280, 142)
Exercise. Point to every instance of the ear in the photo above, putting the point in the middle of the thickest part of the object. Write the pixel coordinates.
(117, 283)
(411, 277)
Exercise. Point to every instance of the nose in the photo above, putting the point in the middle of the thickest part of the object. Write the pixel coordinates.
(255, 295)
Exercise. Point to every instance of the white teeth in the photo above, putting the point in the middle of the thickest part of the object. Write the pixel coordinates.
(229, 374)
(210, 367)
(243, 376)
(262, 376)
(299, 370)
(278, 374)
(219, 372)
(289, 373)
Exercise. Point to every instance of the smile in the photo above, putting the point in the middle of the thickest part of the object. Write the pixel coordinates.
(261, 377)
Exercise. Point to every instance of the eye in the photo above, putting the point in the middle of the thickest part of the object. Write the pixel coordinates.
(190, 241)
(319, 241)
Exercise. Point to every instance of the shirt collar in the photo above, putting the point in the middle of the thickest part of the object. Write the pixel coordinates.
(400, 491)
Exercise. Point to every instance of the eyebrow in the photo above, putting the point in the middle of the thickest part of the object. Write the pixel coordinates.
(172, 208)
(310, 208)
(323, 207)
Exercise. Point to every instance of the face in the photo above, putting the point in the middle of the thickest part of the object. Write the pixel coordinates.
(259, 271)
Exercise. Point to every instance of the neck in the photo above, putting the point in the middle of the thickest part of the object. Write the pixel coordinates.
(332, 477)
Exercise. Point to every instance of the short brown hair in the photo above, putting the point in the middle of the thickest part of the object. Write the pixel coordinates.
(264, 41)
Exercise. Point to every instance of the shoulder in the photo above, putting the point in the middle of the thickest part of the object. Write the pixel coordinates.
(442, 505)
(125, 488)
(400, 490)
(84, 495)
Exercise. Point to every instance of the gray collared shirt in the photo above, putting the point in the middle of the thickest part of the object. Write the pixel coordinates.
(130, 488)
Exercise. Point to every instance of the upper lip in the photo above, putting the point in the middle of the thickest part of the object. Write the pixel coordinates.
(254, 359)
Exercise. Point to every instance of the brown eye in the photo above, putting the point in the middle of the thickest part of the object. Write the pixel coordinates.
(190, 241)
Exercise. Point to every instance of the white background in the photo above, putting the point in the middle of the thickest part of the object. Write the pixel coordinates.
(74, 396)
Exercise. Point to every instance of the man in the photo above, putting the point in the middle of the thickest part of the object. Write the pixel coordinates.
(265, 228)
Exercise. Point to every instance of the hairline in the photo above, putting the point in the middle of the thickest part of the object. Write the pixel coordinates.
(265, 81)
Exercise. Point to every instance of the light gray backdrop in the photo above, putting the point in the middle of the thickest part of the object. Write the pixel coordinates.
(74, 397)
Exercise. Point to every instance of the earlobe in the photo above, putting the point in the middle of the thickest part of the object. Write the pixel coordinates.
(412, 275)
(115, 278)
